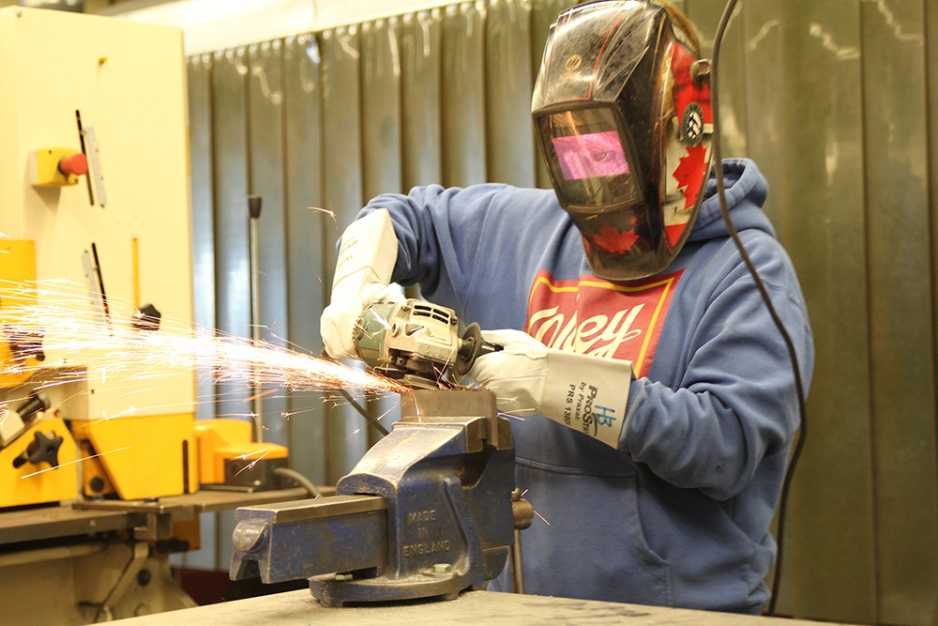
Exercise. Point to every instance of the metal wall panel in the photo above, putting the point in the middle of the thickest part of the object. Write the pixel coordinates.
(342, 182)
(463, 94)
(381, 107)
(901, 320)
(765, 91)
(510, 131)
(340, 74)
(306, 241)
(232, 258)
(232, 255)
(818, 166)
(383, 49)
(419, 42)
(265, 142)
(199, 78)
(931, 83)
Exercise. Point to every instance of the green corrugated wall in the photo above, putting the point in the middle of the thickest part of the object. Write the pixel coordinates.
(832, 98)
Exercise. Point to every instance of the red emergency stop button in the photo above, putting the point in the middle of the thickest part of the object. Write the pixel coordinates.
(76, 164)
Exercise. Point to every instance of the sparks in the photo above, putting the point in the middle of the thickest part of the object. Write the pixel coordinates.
(73, 334)
(80, 460)
(327, 212)
(244, 457)
(385, 414)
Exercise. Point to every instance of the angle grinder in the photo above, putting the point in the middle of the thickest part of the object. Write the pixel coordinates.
(418, 342)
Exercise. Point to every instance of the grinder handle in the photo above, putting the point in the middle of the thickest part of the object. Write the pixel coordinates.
(488, 348)
(472, 346)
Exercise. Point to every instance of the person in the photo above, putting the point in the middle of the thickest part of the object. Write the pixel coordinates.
(652, 398)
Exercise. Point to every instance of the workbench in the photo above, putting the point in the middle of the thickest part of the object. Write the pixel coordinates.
(90, 561)
(299, 608)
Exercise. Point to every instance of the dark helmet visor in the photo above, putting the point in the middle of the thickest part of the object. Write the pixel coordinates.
(589, 159)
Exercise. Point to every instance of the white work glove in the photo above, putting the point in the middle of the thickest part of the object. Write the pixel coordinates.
(586, 393)
(362, 274)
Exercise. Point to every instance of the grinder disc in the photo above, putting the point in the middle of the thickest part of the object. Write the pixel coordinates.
(468, 349)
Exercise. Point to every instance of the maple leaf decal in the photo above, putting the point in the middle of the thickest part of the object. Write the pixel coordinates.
(690, 174)
(674, 233)
(612, 240)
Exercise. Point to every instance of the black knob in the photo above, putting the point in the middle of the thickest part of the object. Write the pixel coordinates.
(147, 318)
(41, 448)
(144, 577)
(254, 206)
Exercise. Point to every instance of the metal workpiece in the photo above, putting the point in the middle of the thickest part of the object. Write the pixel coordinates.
(427, 512)
(475, 411)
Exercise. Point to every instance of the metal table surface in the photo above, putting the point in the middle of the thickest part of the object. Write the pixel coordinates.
(299, 608)
(61, 521)
(91, 517)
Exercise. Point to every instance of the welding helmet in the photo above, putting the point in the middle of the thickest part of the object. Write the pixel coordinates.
(622, 112)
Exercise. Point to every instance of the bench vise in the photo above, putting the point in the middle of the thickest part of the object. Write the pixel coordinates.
(426, 513)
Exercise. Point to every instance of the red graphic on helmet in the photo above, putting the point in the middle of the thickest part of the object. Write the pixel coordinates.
(685, 90)
(674, 233)
(690, 174)
(692, 105)
(611, 239)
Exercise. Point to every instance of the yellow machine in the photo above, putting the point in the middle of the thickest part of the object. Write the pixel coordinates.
(94, 218)
(100, 451)
(94, 222)
(228, 457)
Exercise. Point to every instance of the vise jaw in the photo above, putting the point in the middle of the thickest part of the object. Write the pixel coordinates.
(426, 513)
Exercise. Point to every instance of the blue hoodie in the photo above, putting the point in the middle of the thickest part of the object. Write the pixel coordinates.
(679, 514)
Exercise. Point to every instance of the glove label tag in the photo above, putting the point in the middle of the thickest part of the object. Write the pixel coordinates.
(591, 394)
(578, 413)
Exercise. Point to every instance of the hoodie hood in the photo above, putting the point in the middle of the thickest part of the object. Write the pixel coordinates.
(746, 191)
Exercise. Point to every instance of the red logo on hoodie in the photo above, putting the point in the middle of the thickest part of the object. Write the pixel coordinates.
(601, 318)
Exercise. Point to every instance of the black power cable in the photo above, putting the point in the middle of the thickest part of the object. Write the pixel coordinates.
(724, 211)
(371, 421)
(296, 477)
